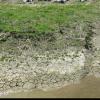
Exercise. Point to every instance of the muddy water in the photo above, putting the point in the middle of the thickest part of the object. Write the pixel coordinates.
(88, 87)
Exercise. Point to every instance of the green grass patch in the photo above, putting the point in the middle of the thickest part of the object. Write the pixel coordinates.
(38, 20)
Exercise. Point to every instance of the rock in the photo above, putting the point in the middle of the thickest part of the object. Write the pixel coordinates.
(1, 85)
(19, 84)
(59, 1)
(12, 84)
(6, 87)
(4, 36)
(28, 85)
(82, 0)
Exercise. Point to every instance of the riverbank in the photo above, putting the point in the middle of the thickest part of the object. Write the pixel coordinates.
(87, 88)
(47, 47)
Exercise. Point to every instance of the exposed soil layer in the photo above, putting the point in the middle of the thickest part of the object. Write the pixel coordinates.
(47, 62)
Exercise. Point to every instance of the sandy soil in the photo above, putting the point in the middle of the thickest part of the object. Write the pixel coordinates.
(89, 87)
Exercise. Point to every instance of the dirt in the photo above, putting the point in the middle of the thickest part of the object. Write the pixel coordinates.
(89, 87)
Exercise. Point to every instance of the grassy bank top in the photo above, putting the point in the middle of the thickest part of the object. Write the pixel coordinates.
(40, 19)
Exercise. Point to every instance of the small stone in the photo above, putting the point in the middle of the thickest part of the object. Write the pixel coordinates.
(28, 85)
(6, 87)
(1, 85)
(13, 84)
(20, 84)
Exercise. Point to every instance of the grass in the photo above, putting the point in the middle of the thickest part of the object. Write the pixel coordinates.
(39, 20)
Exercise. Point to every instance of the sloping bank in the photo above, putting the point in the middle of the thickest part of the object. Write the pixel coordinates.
(45, 47)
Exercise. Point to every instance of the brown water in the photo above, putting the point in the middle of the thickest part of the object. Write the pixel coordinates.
(89, 87)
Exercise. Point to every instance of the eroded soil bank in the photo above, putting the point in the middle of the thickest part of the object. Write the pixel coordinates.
(25, 66)
(48, 47)
(49, 61)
